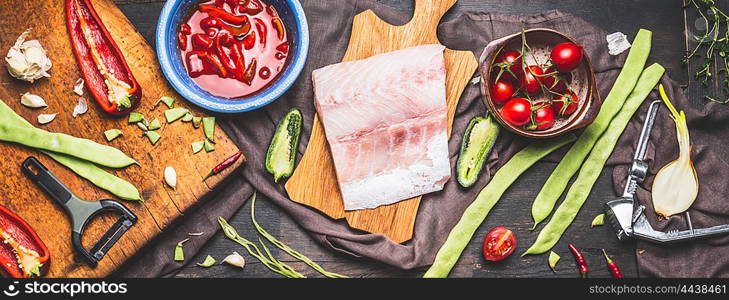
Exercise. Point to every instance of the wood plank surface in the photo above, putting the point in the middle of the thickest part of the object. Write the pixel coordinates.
(314, 181)
(664, 18)
(162, 204)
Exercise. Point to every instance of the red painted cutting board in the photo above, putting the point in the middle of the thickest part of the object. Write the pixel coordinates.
(163, 205)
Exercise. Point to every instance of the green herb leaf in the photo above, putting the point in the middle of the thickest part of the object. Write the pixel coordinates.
(197, 146)
(112, 134)
(208, 262)
(135, 117)
(179, 251)
(174, 114)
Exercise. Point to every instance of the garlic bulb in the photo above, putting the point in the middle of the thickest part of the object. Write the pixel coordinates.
(235, 259)
(46, 118)
(171, 177)
(33, 101)
(676, 185)
(27, 60)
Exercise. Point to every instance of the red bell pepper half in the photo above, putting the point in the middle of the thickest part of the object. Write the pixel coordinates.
(22, 253)
(102, 65)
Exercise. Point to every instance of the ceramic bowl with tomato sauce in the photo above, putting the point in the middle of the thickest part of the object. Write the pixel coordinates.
(232, 55)
(533, 95)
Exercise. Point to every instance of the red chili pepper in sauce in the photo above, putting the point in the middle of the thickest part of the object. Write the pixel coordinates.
(22, 253)
(102, 65)
(580, 259)
(225, 164)
(614, 270)
(215, 11)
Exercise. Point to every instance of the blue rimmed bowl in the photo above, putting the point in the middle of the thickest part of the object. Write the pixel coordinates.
(176, 11)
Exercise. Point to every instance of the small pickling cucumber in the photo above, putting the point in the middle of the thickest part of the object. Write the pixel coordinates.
(478, 140)
(281, 154)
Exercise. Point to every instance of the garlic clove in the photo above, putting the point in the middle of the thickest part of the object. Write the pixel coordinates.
(235, 259)
(78, 87)
(46, 118)
(170, 177)
(80, 108)
(33, 101)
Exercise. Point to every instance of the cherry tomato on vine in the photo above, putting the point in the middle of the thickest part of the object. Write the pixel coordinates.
(566, 56)
(557, 82)
(517, 111)
(531, 78)
(498, 244)
(501, 91)
(570, 99)
(544, 117)
(508, 64)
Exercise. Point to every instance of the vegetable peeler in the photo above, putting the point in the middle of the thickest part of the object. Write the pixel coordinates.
(629, 223)
(81, 211)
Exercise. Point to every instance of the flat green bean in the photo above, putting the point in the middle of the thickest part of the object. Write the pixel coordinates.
(85, 169)
(591, 169)
(100, 178)
(66, 144)
(476, 213)
(570, 163)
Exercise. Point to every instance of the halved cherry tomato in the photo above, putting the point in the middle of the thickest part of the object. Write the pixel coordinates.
(531, 78)
(566, 56)
(544, 117)
(501, 91)
(508, 66)
(498, 244)
(557, 82)
(569, 98)
(517, 111)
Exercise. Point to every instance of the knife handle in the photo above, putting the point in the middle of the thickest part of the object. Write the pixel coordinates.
(40, 175)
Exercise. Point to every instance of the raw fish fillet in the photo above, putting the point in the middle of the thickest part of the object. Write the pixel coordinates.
(385, 118)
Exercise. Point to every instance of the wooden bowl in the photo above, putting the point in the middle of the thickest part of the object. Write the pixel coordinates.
(541, 41)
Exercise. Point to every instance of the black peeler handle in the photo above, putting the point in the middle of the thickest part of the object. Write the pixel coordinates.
(80, 211)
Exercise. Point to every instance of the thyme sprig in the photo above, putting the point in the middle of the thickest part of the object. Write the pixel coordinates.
(714, 40)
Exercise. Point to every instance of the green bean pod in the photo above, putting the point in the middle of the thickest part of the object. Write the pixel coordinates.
(591, 169)
(66, 144)
(476, 213)
(570, 163)
(100, 178)
(478, 140)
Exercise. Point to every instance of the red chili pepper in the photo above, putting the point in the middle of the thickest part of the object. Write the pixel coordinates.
(262, 31)
(223, 165)
(250, 72)
(239, 60)
(612, 266)
(100, 60)
(215, 11)
(250, 40)
(22, 253)
(580, 259)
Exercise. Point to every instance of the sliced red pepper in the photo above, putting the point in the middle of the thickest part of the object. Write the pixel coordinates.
(196, 63)
(182, 39)
(201, 41)
(185, 29)
(284, 47)
(214, 60)
(239, 60)
(224, 55)
(280, 31)
(262, 31)
(217, 23)
(215, 11)
(22, 253)
(250, 40)
(102, 65)
(250, 72)
(251, 7)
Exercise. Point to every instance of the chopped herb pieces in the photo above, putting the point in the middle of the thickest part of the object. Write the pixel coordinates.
(112, 134)
(197, 146)
(135, 117)
(153, 136)
(174, 114)
(208, 262)
(154, 125)
(209, 147)
(209, 128)
(179, 251)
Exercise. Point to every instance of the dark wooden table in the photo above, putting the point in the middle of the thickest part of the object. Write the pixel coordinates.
(666, 20)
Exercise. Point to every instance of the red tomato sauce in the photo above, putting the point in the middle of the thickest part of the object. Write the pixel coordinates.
(233, 48)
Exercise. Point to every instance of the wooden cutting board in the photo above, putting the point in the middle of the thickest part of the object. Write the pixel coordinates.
(314, 182)
(163, 205)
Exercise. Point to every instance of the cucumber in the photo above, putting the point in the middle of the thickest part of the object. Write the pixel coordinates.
(478, 140)
(281, 154)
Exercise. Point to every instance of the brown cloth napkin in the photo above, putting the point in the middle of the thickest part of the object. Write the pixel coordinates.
(330, 25)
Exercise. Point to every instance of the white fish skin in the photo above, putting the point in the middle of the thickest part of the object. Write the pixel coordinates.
(385, 118)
